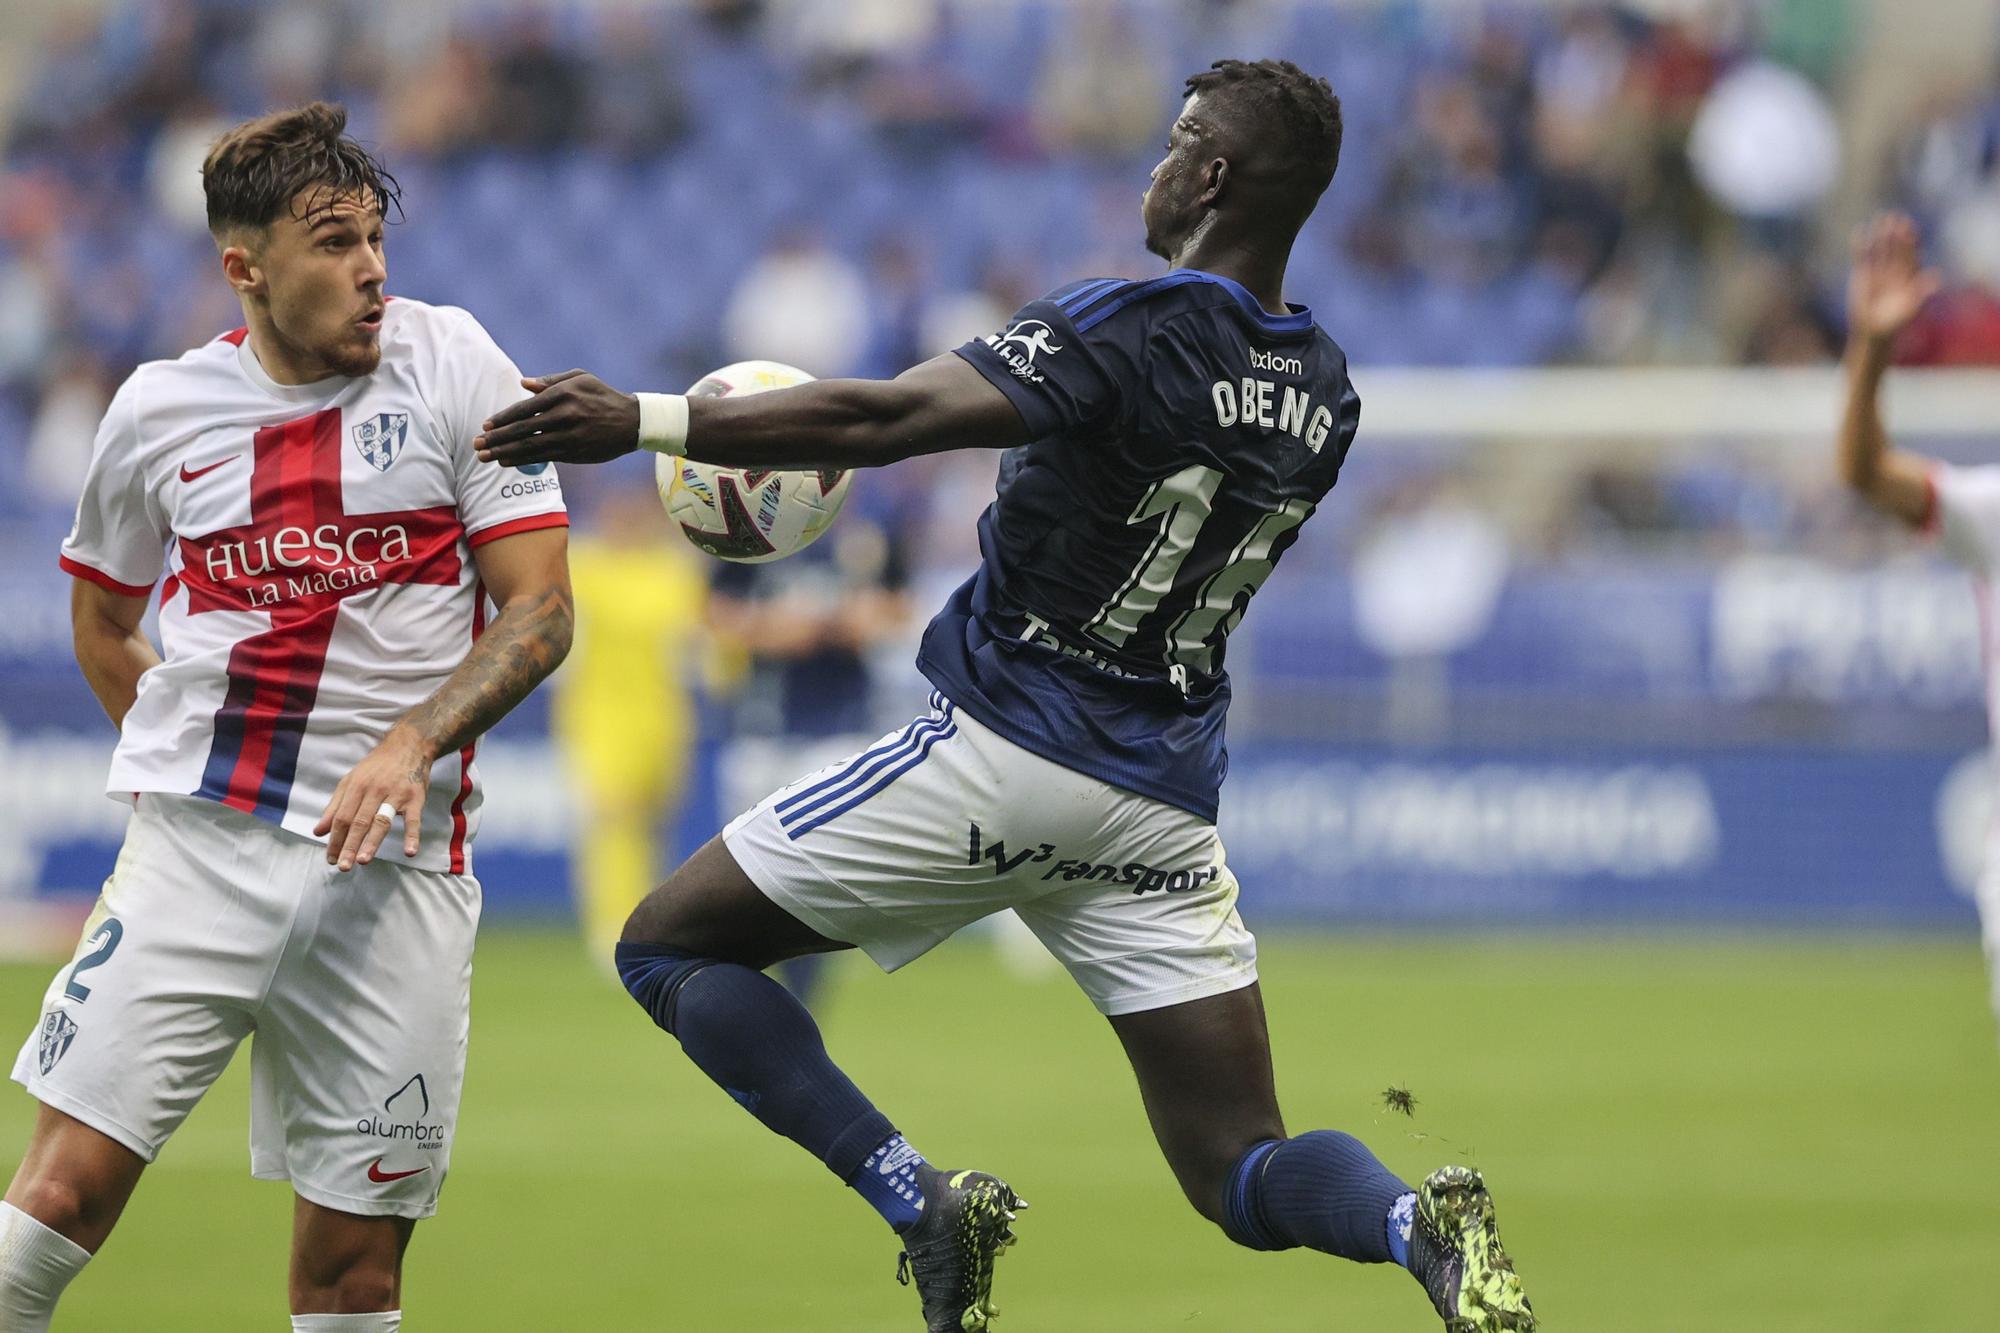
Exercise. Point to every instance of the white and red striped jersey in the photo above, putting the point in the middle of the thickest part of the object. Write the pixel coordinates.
(317, 544)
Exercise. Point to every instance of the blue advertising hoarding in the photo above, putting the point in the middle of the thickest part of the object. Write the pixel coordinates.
(1882, 828)
(1324, 834)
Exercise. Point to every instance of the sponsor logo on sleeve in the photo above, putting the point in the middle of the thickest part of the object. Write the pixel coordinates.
(529, 481)
(1020, 345)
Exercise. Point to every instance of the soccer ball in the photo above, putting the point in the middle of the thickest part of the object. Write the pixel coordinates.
(749, 515)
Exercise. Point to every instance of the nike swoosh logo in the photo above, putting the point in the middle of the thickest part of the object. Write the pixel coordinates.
(187, 475)
(381, 1177)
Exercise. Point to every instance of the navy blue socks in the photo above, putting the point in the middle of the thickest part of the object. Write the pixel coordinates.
(888, 1180)
(1322, 1190)
(1401, 1218)
(751, 1036)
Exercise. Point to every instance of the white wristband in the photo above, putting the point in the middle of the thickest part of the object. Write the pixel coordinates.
(663, 423)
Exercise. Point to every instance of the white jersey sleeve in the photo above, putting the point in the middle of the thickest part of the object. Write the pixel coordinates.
(1966, 514)
(119, 540)
(477, 379)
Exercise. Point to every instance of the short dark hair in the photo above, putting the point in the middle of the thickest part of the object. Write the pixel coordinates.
(1293, 114)
(255, 171)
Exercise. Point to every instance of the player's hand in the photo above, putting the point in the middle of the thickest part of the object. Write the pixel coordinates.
(1889, 285)
(395, 775)
(574, 417)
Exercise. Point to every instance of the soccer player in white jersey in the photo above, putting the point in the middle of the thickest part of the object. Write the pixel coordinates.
(329, 541)
(1959, 505)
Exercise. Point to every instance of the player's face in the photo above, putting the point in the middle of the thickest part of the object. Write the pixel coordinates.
(322, 268)
(1169, 207)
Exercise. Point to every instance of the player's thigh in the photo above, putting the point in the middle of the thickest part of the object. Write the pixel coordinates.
(73, 1179)
(883, 850)
(165, 979)
(710, 908)
(359, 1063)
(1204, 1072)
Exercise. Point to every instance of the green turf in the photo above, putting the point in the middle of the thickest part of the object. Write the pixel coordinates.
(1757, 1135)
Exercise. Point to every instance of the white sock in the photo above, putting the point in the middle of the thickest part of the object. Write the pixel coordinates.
(35, 1265)
(381, 1321)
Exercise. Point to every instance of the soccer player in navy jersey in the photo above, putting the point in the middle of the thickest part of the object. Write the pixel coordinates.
(1166, 439)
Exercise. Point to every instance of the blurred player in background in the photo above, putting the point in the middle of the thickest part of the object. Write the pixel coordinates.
(623, 712)
(308, 486)
(804, 631)
(1959, 505)
(806, 628)
(1177, 432)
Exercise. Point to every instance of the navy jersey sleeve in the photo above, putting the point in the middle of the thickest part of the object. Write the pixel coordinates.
(1062, 361)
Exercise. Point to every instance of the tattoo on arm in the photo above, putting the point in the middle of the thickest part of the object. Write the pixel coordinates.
(525, 642)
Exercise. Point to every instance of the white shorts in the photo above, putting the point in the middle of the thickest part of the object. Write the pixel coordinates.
(214, 926)
(944, 822)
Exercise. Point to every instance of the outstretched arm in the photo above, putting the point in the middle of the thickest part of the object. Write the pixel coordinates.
(1886, 291)
(527, 575)
(941, 404)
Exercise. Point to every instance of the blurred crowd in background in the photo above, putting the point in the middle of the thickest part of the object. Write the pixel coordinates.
(852, 187)
(655, 190)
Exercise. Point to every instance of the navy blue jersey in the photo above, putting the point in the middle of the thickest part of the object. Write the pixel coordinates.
(1180, 436)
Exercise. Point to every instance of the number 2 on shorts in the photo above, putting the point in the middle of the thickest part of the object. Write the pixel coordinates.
(108, 935)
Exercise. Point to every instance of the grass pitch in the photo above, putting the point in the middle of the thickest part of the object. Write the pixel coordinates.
(1753, 1134)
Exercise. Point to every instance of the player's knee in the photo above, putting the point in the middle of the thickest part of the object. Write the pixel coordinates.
(1205, 1197)
(655, 974)
(1201, 1187)
(353, 1273)
(362, 1288)
(1235, 1200)
(1207, 1191)
(61, 1205)
(649, 922)
(668, 916)
(1208, 1173)
(709, 908)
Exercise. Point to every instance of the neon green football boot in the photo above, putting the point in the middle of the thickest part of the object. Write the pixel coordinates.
(950, 1249)
(1455, 1252)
